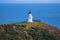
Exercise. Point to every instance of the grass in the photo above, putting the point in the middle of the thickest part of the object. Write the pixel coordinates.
(29, 24)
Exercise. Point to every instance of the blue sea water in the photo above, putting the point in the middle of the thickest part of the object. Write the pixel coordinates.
(47, 13)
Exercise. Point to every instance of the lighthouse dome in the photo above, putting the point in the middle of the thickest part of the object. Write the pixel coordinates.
(30, 12)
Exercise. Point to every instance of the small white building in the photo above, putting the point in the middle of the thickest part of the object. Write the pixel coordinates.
(30, 17)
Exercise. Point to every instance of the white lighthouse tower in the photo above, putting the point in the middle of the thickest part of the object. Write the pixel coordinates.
(30, 17)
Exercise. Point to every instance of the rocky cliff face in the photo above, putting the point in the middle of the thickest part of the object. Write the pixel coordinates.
(29, 31)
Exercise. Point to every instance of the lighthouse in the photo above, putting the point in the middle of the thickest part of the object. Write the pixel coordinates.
(30, 17)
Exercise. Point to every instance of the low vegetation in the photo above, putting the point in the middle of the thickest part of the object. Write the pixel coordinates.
(29, 31)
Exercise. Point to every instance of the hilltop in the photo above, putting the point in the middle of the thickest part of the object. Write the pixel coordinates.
(36, 30)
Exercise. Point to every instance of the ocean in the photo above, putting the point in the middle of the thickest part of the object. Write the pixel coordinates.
(47, 13)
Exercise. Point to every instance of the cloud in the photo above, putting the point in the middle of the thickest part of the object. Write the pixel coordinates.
(29, 1)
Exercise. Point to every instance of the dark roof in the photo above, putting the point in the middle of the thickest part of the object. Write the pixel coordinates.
(37, 20)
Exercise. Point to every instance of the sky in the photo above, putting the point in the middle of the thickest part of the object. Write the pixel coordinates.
(29, 1)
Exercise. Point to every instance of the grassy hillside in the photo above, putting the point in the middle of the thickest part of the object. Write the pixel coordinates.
(29, 31)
